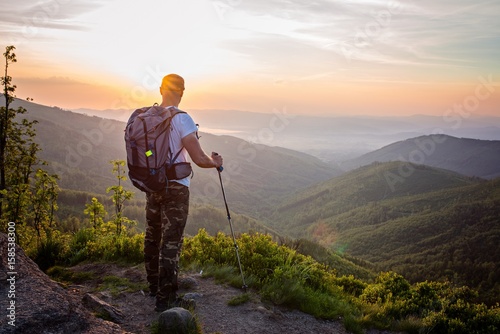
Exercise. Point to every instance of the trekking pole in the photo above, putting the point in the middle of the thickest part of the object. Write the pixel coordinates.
(244, 287)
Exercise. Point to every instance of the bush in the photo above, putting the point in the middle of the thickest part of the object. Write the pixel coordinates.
(351, 285)
(49, 253)
(87, 244)
(78, 250)
(388, 287)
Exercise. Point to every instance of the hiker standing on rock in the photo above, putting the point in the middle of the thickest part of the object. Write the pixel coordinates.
(167, 210)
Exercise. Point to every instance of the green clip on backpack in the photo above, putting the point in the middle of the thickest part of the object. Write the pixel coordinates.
(147, 142)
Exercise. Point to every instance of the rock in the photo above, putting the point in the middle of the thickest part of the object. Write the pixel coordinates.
(188, 282)
(176, 321)
(192, 295)
(38, 304)
(103, 309)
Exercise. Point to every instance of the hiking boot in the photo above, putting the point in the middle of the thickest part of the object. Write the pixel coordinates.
(189, 304)
(152, 291)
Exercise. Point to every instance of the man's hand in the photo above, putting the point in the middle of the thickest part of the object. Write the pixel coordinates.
(199, 157)
(217, 160)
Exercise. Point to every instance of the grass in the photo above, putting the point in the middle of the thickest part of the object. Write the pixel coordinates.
(239, 300)
(64, 275)
(115, 285)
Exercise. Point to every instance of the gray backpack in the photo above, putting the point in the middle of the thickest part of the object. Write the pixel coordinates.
(147, 142)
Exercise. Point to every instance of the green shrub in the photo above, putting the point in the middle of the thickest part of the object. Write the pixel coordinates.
(49, 253)
(87, 244)
(388, 286)
(78, 250)
(351, 285)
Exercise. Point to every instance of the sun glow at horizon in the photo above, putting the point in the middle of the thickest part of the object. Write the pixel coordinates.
(256, 56)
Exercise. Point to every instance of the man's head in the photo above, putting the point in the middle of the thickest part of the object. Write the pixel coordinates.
(172, 89)
(172, 82)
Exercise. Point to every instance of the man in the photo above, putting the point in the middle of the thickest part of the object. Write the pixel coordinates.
(167, 210)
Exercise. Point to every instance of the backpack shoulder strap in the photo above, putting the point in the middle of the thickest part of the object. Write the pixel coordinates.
(176, 111)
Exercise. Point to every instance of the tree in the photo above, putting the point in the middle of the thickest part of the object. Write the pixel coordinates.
(27, 197)
(44, 202)
(96, 212)
(7, 115)
(120, 195)
(18, 151)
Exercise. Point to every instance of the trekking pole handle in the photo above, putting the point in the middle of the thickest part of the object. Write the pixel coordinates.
(220, 168)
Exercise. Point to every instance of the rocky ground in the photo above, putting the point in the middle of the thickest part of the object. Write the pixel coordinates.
(212, 312)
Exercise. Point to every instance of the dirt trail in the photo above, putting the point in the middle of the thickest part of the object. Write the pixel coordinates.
(212, 311)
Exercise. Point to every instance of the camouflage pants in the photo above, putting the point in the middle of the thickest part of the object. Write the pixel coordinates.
(166, 215)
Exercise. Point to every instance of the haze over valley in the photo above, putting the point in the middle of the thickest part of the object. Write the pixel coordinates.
(333, 139)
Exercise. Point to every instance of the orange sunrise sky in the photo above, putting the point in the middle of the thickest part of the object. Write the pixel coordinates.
(368, 57)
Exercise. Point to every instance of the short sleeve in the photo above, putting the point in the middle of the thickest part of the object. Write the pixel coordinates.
(182, 125)
(185, 124)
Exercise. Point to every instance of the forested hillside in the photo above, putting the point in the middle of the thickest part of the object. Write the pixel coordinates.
(79, 148)
(471, 157)
(433, 224)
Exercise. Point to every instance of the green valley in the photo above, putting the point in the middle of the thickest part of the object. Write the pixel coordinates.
(435, 224)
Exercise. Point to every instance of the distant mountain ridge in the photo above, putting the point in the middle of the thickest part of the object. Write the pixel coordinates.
(470, 157)
(333, 138)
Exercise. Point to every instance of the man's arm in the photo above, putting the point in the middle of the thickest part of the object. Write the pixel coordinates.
(199, 157)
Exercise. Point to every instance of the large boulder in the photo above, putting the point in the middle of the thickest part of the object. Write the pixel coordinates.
(31, 302)
(176, 320)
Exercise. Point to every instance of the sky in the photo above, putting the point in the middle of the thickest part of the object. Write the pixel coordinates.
(316, 57)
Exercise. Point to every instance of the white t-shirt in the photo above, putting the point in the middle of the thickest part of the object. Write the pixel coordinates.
(182, 125)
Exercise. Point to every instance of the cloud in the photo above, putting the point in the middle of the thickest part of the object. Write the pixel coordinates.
(24, 20)
(459, 34)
